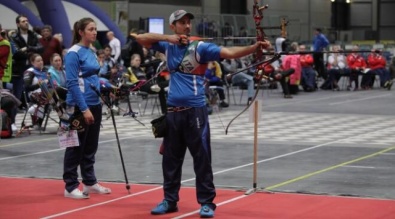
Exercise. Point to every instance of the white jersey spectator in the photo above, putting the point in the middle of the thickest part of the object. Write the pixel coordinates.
(115, 45)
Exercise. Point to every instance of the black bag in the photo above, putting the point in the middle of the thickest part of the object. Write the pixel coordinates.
(76, 121)
(159, 127)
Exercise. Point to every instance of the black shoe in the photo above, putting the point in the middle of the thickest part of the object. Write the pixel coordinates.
(223, 104)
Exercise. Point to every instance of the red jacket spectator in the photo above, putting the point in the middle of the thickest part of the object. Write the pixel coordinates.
(355, 61)
(376, 61)
(306, 60)
(293, 61)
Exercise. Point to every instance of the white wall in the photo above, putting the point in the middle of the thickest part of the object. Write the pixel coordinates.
(7, 18)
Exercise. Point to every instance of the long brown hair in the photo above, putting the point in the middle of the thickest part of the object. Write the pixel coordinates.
(80, 26)
(33, 57)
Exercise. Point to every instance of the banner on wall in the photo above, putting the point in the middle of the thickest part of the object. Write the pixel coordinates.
(120, 15)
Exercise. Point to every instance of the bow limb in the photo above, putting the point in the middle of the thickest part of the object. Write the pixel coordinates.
(263, 64)
(257, 13)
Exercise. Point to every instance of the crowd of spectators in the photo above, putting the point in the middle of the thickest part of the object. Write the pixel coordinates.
(36, 53)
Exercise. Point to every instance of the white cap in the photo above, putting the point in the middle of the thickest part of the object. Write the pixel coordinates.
(177, 15)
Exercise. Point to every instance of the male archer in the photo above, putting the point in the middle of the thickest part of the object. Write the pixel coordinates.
(187, 117)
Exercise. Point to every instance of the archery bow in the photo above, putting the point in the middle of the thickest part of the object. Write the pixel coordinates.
(260, 36)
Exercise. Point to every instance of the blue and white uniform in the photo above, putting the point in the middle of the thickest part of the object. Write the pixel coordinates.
(186, 89)
(187, 119)
(82, 70)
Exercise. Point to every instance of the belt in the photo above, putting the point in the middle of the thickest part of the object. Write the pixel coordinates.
(177, 109)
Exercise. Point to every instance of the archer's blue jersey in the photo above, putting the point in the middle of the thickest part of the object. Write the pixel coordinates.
(82, 68)
(186, 89)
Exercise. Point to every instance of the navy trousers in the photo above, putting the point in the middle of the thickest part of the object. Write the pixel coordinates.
(83, 155)
(188, 129)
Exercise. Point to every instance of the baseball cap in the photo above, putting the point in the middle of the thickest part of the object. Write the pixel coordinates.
(177, 15)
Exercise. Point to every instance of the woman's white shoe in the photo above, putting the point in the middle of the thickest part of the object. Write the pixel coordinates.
(96, 188)
(76, 194)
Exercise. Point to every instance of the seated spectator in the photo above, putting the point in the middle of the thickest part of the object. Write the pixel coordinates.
(213, 75)
(274, 71)
(58, 76)
(337, 67)
(150, 63)
(137, 77)
(56, 71)
(105, 67)
(308, 73)
(377, 65)
(356, 64)
(32, 77)
(240, 79)
(107, 56)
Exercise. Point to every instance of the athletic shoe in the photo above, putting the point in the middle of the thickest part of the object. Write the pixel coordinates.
(164, 207)
(96, 188)
(155, 88)
(206, 212)
(13, 127)
(76, 194)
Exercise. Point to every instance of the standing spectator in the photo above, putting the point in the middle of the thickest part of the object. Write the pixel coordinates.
(187, 116)
(5, 58)
(319, 42)
(243, 33)
(26, 42)
(131, 47)
(82, 81)
(50, 44)
(115, 45)
(227, 31)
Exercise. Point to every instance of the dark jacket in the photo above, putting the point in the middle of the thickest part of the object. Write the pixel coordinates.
(20, 59)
